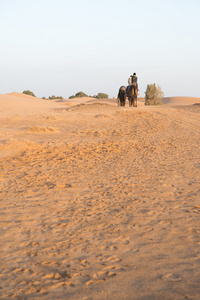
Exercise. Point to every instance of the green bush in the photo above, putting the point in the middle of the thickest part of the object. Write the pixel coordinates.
(55, 97)
(153, 95)
(102, 96)
(27, 92)
(78, 95)
(81, 94)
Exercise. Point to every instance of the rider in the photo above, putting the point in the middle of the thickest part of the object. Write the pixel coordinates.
(132, 81)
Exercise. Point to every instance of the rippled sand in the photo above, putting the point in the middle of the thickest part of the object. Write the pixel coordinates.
(98, 201)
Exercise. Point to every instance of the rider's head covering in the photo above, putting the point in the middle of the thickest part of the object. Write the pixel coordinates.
(134, 73)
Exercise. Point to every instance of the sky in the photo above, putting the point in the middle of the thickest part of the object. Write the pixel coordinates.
(61, 47)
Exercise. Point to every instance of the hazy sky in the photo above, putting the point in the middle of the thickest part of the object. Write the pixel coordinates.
(61, 47)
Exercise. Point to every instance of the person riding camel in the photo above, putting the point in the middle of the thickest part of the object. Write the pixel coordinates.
(132, 81)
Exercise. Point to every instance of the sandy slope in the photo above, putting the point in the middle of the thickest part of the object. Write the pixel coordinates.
(16, 104)
(180, 100)
(98, 201)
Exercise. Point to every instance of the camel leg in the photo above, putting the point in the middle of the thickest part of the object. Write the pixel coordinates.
(135, 97)
(134, 102)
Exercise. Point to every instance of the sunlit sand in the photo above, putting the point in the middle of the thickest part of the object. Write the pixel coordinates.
(99, 201)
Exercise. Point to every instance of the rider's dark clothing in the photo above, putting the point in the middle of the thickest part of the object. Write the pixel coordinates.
(134, 79)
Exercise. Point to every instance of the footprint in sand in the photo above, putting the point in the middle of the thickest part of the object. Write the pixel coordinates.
(18, 270)
(193, 237)
(40, 129)
(131, 251)
(173, 277)
(103, 116)
(114, 259)
(113, 248)
(94, 281)
(100, 277)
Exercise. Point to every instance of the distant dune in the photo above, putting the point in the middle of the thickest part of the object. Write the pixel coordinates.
(16, 100)
(22, 104)
(180, 100)
(15, 94)
(176, 100)
(166, 101)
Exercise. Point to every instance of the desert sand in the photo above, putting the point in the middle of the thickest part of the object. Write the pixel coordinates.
(99, 201)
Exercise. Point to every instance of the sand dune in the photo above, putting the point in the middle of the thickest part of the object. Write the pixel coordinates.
(180, 100)
(20, 95)
(172, 101)
(99, 201)
(20, 104)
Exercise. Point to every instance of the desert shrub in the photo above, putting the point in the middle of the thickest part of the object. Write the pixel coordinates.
(153, 95)
(55, 97)
(81, 94)
(27, 92)
(78, 95)
(101, 96)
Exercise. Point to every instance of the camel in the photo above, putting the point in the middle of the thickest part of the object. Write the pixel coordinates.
(132, 93)
(122, 95)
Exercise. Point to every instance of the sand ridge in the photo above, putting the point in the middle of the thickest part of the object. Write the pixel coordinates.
(180, 100)
(99, 202)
